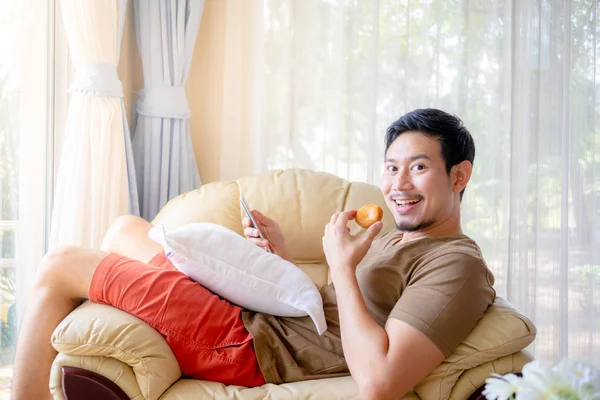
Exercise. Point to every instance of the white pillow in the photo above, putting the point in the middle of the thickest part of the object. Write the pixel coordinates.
(236, 269)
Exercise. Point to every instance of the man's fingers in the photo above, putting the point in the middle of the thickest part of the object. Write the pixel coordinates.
(326, 230)
(259, 242)
(334, 218)
(250, 232)
(342, 219)
(339, 226)
(248, 223)
(373, 231)
(350, 214)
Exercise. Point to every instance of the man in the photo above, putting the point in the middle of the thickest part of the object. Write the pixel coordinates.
(399, 304)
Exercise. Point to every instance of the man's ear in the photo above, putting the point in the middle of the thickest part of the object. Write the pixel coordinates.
(460, 174)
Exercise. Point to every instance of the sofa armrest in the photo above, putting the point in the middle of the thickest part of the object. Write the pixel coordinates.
(474, 378)
(101, 331)
(501, 332)
(117, 372)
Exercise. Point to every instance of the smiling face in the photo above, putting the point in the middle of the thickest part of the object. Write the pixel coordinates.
(417, 188)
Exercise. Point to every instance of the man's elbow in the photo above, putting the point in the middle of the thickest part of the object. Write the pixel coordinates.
(376, 389)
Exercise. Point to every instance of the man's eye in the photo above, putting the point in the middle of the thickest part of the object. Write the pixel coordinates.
(418, 167)
(392, 168)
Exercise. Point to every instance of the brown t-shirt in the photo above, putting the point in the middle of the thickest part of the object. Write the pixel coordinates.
(440, 286)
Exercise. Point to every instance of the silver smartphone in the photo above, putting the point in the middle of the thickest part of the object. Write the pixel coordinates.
(254, 224)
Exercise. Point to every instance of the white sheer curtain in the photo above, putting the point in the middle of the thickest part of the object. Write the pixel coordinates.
(524, 77)
(96, 170)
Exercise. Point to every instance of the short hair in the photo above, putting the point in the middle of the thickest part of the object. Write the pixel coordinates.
(456, 142)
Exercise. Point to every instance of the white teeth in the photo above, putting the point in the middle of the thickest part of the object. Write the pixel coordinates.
(404, 202)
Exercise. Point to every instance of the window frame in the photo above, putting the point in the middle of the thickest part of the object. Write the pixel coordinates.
(43, 100)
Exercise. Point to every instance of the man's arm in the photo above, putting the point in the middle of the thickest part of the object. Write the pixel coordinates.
(385, 363)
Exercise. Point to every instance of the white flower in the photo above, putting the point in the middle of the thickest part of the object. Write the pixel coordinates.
(585, 379)
(500, 387)
(543, 382)
(565, 381)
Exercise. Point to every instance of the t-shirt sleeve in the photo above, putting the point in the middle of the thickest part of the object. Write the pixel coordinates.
(445, 298)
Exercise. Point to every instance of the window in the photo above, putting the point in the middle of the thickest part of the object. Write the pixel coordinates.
(26, 115)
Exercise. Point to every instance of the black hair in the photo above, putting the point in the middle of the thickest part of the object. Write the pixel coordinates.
(456, 142)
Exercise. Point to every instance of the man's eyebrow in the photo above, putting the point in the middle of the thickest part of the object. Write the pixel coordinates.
(418, 156)
(411, 158)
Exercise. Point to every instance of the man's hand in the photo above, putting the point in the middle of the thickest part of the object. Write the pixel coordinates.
(274, 237)
(343, 250)
(376, 356)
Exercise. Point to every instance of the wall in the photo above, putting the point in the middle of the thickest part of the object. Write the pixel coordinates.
(205, 90)
(130, 64)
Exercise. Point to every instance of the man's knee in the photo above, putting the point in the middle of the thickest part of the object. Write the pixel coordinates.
(124, 224)
(121, 226)
(68, 271)
(55, 264)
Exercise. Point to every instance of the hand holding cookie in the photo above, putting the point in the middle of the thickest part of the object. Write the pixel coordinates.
(344, 250)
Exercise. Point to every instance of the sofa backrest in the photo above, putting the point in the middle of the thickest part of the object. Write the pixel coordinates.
(301, 201)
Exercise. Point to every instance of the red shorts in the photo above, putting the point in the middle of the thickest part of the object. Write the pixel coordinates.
(205, 332)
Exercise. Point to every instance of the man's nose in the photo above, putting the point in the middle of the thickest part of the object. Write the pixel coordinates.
(403, 182)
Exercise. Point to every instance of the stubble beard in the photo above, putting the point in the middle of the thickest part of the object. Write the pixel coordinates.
(408, 227)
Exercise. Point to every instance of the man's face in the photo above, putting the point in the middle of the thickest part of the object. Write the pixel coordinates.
(415, 184)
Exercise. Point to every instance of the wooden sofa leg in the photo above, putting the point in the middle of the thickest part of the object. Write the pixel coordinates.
(81, 384)
(478, 394)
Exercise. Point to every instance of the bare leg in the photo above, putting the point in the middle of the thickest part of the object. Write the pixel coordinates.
(62, 281)
(128, 236)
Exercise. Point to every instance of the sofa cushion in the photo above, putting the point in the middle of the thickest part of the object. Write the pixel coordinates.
(502, 331)
(322, 389)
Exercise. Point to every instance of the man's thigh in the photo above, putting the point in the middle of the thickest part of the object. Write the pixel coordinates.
(202, 329)
(163, 298)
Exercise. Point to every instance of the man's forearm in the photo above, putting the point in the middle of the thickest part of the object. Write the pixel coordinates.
(364, 341)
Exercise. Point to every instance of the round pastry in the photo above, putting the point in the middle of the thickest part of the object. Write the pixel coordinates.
(368, 214)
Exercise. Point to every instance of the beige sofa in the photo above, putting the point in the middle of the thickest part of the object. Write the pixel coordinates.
(128, 352)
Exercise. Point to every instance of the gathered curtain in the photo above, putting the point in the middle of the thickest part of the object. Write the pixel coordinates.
(96, 180)
(524, 77)
(166, 31)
